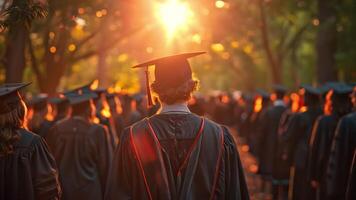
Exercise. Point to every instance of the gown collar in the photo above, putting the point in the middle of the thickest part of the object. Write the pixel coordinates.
(174, 108)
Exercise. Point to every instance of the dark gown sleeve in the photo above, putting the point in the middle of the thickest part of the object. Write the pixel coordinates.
(104, 152)
(236, 187)
(44, 172)
(341, 158)
(119, 185)
(291, 136)
(314, 161)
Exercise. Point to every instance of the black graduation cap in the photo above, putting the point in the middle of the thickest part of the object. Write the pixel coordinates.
(279, 88)
(60, 101)
(263, 93)
(342, 88)
(170, 71)
(326, 87)
(81, 89)
(39, 101)
(9, 96)
(311, 90)
(81, 98)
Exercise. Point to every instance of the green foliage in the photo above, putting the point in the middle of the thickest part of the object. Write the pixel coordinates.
(23, 12)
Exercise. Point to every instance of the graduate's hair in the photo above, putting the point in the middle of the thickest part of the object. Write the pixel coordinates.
(39, 116)
(172, 95)
(84, 109)
(341, 104)
(10, 122)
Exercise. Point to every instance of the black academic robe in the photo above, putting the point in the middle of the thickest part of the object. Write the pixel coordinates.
(351, 185)
(343, 147)
(43, 129)
(109, 122)
(320, 146)
(296, 139)
(269, 138)
(30, 172)
(255, 133)
(83, 153)
(176, 156)
(281, 163)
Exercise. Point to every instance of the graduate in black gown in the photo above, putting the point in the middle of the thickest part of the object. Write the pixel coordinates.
(27, 168)
(341, 155)
(39, 123)
(296, 141)
(323, 134)
(82, 150)
(261, 103)
(104, 115)
(351, 183)
(116, 112)
(269, 134)
(176, 154)
(60, 108)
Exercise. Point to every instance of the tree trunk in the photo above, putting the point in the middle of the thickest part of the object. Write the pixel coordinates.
(15, 53)
(326, 42)
(102, 68)
(55, 65)
(274, 63)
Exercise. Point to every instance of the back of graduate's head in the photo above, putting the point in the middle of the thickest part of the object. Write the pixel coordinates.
(174, 82)
(177, 94)
(12, 116)
(341, 103)
(84, 109)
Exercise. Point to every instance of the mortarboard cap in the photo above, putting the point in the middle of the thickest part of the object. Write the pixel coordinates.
(85, 88)
(9, 96)
(310, 89)
(263, 93)
(80, 98)
(279, 88)
(39, 101)
(342, 88)
(58, 100)
(170, 71)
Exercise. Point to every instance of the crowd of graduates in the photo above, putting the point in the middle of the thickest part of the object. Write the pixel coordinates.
(304, 141)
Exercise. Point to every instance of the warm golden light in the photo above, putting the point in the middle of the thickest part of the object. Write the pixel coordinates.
(219, 4)
(94, 85)
(174, 15)
(258, 104)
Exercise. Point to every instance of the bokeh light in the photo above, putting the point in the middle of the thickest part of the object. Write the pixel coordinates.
(174, 15)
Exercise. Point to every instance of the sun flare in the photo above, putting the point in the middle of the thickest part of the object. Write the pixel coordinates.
(174, 15)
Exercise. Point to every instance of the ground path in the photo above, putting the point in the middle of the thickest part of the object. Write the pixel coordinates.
(250, 167)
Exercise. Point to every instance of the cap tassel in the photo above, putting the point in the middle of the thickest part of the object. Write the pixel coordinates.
(149, 95)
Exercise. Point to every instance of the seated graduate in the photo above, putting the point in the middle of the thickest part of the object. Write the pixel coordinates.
(82, 150)
(175, 154)
(27, 168)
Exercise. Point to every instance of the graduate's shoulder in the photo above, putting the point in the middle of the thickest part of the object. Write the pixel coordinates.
(27, 138)
(349, 120)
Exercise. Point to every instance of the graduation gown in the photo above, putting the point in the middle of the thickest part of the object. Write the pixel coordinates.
(320, 146)
(176, 156)
(343, 147)
(269, 138)
(296, 141)
(83, 153)
(351, 192)
(30, 172)
(43, 129)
